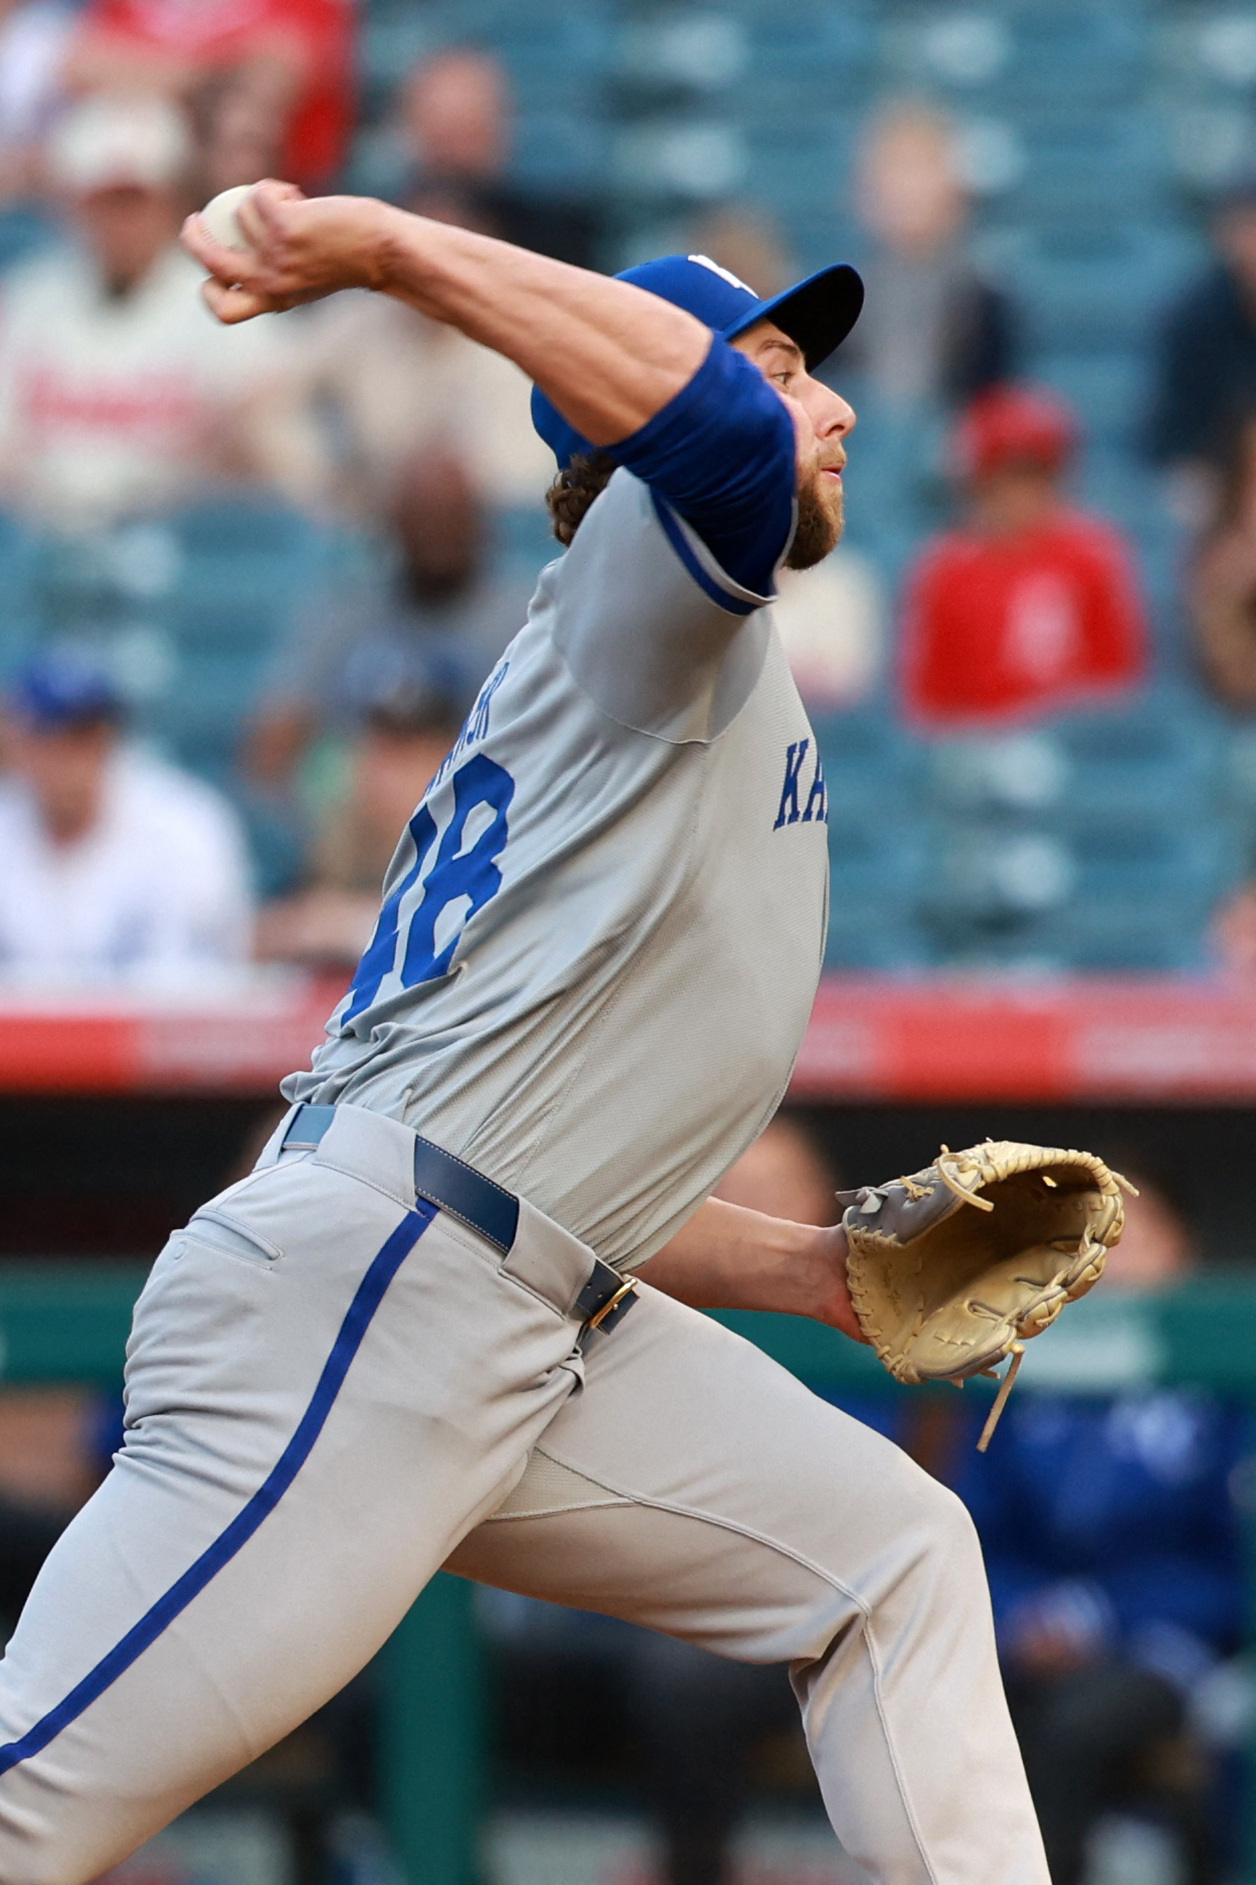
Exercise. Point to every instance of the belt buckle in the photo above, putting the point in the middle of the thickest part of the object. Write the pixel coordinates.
(612, 1303)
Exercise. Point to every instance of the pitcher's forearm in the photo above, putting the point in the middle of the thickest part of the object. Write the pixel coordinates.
(728, 1257)
(608, 354)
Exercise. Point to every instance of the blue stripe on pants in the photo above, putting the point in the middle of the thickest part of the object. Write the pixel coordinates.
(369, 1295)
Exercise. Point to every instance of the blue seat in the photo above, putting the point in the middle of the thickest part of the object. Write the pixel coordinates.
(683, 158)
(830, 39)
(1014, 55)
(797, 162)
(242, 570)
(876, 940)
(1116, 485)
(18, 619)
(876, 864)
(1239, 779)
(894, 467)
(816, 237)
(1095, 285)
(210, 699)
(1123, 942)
(568, 150)
(1101, 164)
(188, 607)
(1163, 756)
(522, 538)
(1084, 53)
(25, 232)
(532, 38)
(1184, 863)
(240, 525)
(997, 875)
(870, 766)
(1158, 928)
(1109, 390)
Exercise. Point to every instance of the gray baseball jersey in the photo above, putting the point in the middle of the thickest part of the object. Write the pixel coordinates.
(603, 928)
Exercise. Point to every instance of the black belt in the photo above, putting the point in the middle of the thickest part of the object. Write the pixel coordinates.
(476, 1201)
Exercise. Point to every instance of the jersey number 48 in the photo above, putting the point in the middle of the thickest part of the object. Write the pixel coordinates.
(462, 878)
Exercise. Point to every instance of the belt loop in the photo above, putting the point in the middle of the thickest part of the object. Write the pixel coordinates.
(308, 1127)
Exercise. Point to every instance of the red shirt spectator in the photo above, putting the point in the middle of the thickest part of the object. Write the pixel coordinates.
(1030, 606)
(170, 43)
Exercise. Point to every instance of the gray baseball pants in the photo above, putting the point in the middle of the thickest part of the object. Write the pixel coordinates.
(333, 1390)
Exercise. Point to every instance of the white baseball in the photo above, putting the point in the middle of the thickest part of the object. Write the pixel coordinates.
(220, 218)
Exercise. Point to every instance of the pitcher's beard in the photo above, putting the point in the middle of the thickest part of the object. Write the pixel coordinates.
(819, 529)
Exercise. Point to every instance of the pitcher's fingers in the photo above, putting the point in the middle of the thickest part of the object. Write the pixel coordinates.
(232, 304)
(261, 216)
(225, 264)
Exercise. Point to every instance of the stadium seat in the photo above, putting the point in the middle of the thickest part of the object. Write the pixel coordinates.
(1097, 164)
(830, 39)
(1110, 390)
(870, 765)
(1119, 940)
(876, 865)
(523, 542)
(1096, 285)
(18, 616)
(25, 231)
(188, 609)
(1071, 887)
(1162, 755)
(682, 159)
(798, 163)
(1076, 51)
(553, 147)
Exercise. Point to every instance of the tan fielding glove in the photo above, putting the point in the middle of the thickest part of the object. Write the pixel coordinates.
(956, 1267)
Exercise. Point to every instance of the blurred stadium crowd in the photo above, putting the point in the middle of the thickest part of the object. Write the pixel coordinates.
(251, 578)
(250, 581)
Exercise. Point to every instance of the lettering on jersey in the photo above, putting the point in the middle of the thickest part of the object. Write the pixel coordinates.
(462, 879)
(815, 808)
(477, 723)
(818, 798)
(789, 813)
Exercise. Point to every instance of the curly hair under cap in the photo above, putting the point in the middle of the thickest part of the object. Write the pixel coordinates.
(574, 489)
(581, 482)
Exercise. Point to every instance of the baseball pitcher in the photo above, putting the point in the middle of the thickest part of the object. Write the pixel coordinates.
(451, 1318)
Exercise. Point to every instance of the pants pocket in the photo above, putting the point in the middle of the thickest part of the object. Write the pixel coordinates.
(220, 1232)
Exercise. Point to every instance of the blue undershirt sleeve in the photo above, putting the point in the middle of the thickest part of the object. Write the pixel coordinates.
(721, 454)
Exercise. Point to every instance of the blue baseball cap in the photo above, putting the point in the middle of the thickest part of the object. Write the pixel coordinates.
(818, 313)
(64, 685)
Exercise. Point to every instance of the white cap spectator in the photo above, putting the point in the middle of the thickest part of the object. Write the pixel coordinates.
(114, 867)
(120, 139)
(118, 390)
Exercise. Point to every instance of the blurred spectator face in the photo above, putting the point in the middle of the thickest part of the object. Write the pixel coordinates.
(1012, 448)
(60, 732)
(910, 193)
(120, 163)
(439, 521)
(244, 121)
(456, 114)
(783, 1174)
(1236, 239)
(392, 769)
(1013, 499)
(65, 769)
(1155, 1249)
(127, 228)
